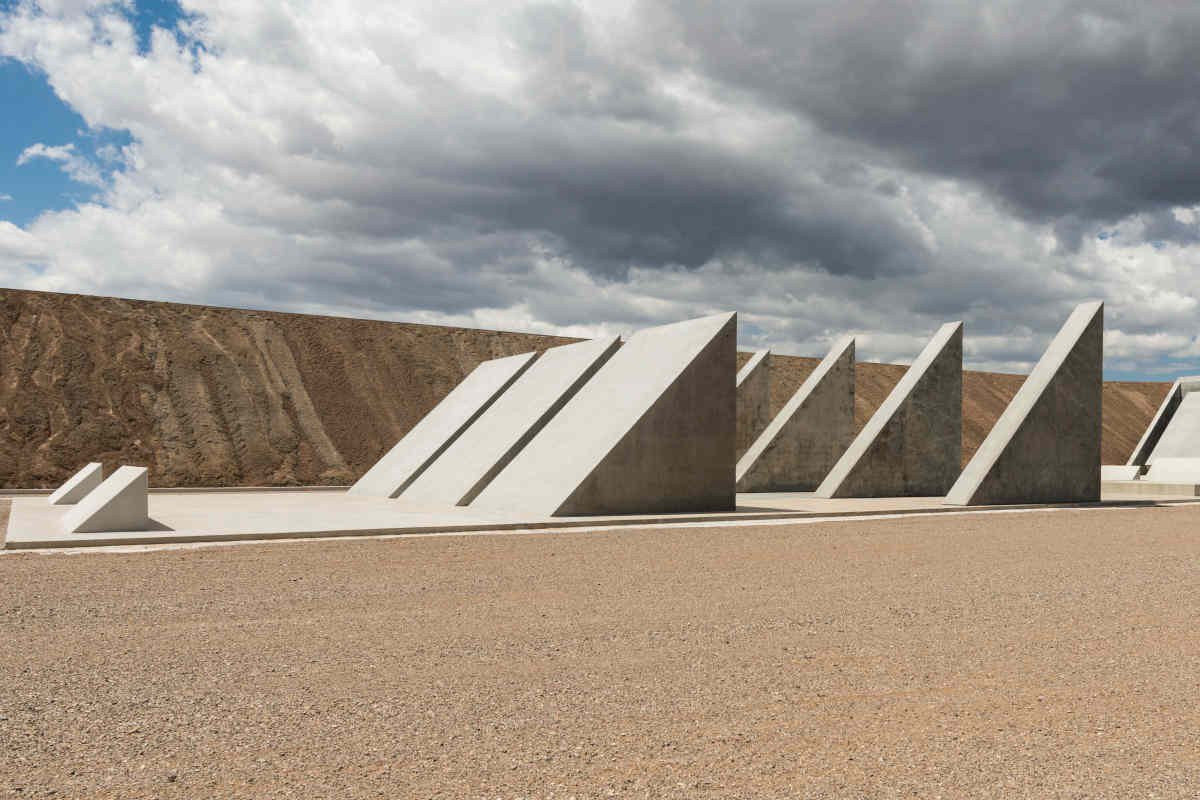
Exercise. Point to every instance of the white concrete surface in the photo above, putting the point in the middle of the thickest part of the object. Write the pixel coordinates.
(1162, 417)
(460, 473)
(78, 485)
(1181, 437)
(438, 429)
(1173, 470)
(120, 503)
(1119, 472)
(652, 431)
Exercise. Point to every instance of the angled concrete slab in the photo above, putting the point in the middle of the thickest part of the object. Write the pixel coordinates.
(1162, 419)
(438, 429)
(1045, 448)
(912, 445)
(120, 503)
(753, 399)
(809, 434)
(78, 485)
(652, 431)
(469, 464)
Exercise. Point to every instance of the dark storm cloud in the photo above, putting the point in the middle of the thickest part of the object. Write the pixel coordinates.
(1070, 112)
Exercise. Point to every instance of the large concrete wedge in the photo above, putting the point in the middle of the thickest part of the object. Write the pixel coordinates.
(652, 431)
(911, 446)
(1169, 450)
(438, 429)
(753, 399)
(1045, 448)
(485, 448)
(120, 503)
(78, 485)
(809, 434)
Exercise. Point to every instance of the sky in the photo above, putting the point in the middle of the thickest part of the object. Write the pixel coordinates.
(591, 168)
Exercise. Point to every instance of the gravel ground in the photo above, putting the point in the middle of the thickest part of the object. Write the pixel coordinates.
(1050, 654)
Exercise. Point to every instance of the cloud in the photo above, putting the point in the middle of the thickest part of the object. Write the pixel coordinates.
(4, 197)
(594, 167)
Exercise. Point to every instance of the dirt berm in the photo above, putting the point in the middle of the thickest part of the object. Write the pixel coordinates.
(210, 396)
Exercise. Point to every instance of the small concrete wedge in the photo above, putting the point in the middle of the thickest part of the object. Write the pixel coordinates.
(809, 434)
(653, 431)
(438, 429)
(78, 485)
(1045, 448)
(1163, 419)
(120, 503)
(753, 399)
(911, 446)
(478, 455)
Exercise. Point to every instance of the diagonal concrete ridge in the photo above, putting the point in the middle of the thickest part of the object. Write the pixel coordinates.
(78, 485)
(485, 448)
(652, 431)
(1162, 418)
(809, 434)
(120, 503)
(1045, 448)
(912, 445)
(753, 399)
(438, 429)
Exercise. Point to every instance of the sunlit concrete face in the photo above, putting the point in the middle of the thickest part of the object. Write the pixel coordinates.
(118, 504)
(1045, 448)
(78, 485)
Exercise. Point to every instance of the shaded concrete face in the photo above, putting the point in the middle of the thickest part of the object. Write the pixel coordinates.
(753, 400)
(912, 446)
(120, 503)
(1045, 448)
(652, 431)
(438, 429)
(468, 465)
(78, 485)
(809, 434)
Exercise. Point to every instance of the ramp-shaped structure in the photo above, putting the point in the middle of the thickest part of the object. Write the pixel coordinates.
(809, 434)
(438, 429)
(652, 431)
(911, 446)
(485, 448)
(120, 503)
(1045, 448)
(78, 485)
(1169, 450)
(753, 399)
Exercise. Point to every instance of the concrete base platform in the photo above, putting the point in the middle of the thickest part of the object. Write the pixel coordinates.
(185, 517)
(1145, 488)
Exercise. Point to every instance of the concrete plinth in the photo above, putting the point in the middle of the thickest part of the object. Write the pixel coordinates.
(438, 429)
(911, 446)
(809, 434)
(1119, 472)
(1045, 448)
(652, 431)
(120, 503)
(753, 399)
(478, 455)
(78, 485)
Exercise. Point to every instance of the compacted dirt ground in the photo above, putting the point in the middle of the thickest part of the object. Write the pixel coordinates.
(1045, 654)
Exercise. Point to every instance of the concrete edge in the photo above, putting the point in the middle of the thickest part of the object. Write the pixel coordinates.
(750, 366)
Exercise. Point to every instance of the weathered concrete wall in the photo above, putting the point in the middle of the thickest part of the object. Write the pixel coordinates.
(807, 437)
(1045, 448)
(653, 430)
(753, 400)
(438, 429)
(912, 445)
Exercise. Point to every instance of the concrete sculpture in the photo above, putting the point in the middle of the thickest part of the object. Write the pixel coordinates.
(120, 503)
(753, 399)
(809, 434)
(1045, 448)
(1169, 450)
(911, 446)
(652, 431)
(438, 429)
(78, 485)
(485, 448)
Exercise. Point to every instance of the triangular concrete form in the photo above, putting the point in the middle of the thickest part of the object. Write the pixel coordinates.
(78, 485)
(652, 431)
(1045, 448)
(438, 429)
(120, 503)
(753, 399)
(477, 456)
(1174, 433)
(810, 432)
(911, 446)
